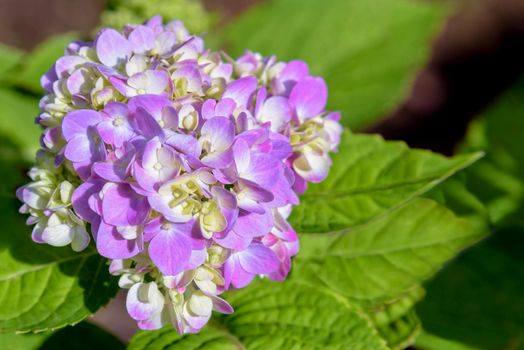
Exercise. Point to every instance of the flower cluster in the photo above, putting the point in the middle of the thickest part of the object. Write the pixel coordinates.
(183, 164)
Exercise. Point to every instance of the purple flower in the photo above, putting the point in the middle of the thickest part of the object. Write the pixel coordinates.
(183, 164)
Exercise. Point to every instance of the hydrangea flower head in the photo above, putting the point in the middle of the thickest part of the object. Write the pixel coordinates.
(182, 165)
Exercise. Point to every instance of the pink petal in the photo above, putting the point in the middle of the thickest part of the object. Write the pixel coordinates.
(309, 97)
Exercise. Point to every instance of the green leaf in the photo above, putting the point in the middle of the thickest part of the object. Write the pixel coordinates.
(43, 287)
(426, 341)
(38, 62)
(17, 120)
(369, 178)
(270, 315)
(83, 336)
(478, 299)
(9, 58)
(396, 320)
(368, 51)
(383, 259)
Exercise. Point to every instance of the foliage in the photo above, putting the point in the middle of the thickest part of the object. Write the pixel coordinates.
(83, 336)
(122, 12)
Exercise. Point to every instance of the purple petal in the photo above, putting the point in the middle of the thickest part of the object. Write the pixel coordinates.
(153, 104)
(258, 259)
(222, 306)
(170, 250)
(234, 274)
(78, 122)
(185, 144)
(80, 199)
(121, 206)
(232, 240)
(309, 97)
(253, 225)
(112, 245)
(241, 90)
(78, 149)
(145, 124)
(225, 107)
(112, 48)
(263, 170)
(295, 71)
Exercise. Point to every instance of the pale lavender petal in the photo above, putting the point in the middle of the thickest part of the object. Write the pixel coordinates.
(165, 43)
(149, 82)
(77, 122)
(112, 48)
(142, 39)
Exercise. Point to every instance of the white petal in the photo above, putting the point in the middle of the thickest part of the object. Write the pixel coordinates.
(200, 304)
(58, 235)
(80, 239)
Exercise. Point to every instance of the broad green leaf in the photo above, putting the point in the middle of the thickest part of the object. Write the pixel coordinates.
(477, 300)
(426, 341)
(383, 259)
(17, 120)
(269, 315)
(368, 51)
(42, 287)
(369, 178)
(83, 336)
(12, 341)
(396, 320)
(9, 57)
(38, 62)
